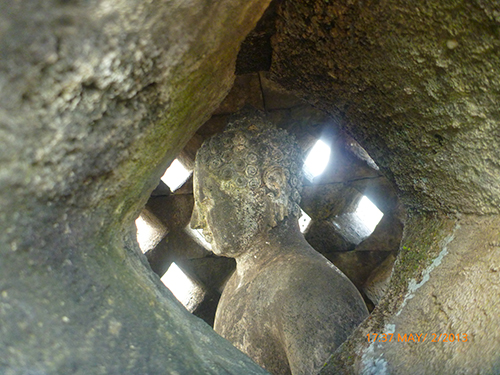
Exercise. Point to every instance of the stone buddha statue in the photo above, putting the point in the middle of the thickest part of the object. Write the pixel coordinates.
(286, 306)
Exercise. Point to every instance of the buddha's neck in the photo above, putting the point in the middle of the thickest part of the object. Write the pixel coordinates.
(282, 239)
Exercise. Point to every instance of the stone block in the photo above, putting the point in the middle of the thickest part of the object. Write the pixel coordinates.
(325, 238)
(174, 211)
(377, 283)
(245, 91)
(275, 96)
(386, 236)
(357, 265)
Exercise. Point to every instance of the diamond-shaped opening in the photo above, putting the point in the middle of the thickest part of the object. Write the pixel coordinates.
(317, 160)
(368, 213)
(176, 175)
(185, 289)
(304, 221)
(359, 224)
(149, 232)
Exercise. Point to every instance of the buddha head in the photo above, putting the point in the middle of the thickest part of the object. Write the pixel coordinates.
(247, 180)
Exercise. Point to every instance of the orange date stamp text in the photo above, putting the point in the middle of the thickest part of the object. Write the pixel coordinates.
(417, 337)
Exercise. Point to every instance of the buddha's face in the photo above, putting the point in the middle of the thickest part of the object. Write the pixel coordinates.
(228, 221)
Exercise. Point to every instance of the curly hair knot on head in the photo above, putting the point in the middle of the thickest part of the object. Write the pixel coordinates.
(251, 155)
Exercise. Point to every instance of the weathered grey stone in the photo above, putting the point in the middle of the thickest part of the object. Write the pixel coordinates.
(386, 236)
(357, 265)
(381, 193)
(386, 73)
(156, 231)
(97, 97)
(351, 227)
(188, 153)
(207, 307)
(214, 125)
(345, 166)
(445, 281)
(187, 187)
(415, 84)
(212, 270)
(286, 306)
(245, 91)
(336, 227)
(305, 122)
(256, 52)
(275, 96)
(176, 245)
(93, 94)
(160, 190)
(174, 210)
(355, 148)
(322, 202)
(325, 237)
(377, 283)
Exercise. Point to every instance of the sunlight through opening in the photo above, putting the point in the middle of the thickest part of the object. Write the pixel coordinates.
(317, 160)
(368, 213)
(148, 234)
(304, 221)
(182, 287)
(175, 175)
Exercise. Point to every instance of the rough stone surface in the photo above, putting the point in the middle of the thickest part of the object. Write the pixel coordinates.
(356, 265)
(377, 283)
(96, 99)
(305, 122)
(245, 91)
(445, 281)
(322, 202)
(156, 231)
(256, 51)
(325, 237)
(175, 246)
(345, 165)
(173, 211)
(385, 237)
(416, 84)
(212, 270)
(382, 193)
(275, 96)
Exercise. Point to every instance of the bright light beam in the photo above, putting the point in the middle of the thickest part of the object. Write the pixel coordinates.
(368, 213)
(304, 221)
(147, 234)
(182, 287)
(175, 175)
(317, 160)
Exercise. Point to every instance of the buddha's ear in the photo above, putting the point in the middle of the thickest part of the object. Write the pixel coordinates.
(270, 217)
(274, 178)
(275, 211)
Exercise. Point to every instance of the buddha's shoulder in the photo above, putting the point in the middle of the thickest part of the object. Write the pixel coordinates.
(305, 261)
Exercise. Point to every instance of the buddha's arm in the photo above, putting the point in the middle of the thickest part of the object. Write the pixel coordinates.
(323, 311)
(308, 337)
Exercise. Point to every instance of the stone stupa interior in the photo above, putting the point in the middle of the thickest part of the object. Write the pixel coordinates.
(99, 98)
